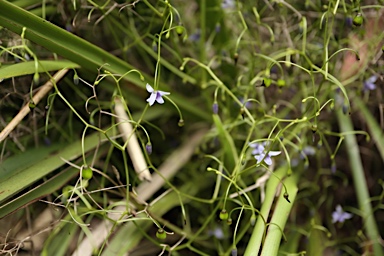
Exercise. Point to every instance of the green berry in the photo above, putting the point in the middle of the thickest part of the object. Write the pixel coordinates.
(267, 82)
(66, 192)
(87, 173)
(179, 30)
(281, 82)
(32, 104)
(358, 20)
(223, 215)
(160, 234)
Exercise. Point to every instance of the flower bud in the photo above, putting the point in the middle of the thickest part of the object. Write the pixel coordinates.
(75, 79)
(215, 108)
(253, 219)
(36, 78)
(148, 148)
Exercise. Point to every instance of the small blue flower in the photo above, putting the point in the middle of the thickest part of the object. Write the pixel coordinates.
(155, 95)
(369, 84)
(217, 233)
(195, 36)
(339, 215)
(260, 153)
(258, 148)
(307, 151)
(228, 4)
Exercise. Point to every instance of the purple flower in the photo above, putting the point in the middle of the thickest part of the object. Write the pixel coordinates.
(369, 84)
(155, 95)
(261, 154)
(339, 215)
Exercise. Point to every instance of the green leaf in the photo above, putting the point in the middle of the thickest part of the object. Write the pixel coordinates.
(28, 68)
(60, 41)
(48, 187)
(14, 177)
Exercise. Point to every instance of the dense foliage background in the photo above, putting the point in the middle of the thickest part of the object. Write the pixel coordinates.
(191, 127)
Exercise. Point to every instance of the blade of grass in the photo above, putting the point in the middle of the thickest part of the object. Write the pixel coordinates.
(19, 179)
(28, 68)
(48, 187)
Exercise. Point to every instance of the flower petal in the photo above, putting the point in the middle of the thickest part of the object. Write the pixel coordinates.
(345, 216)
(159, 99)
(162, 93)
(268, 160)
(258, 148)
(372, 79)
(149, 88)
(274, 153)
(151, 99)
(259, 158)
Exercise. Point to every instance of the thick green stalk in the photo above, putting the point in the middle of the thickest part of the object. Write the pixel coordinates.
(360, 183)
(254, 243)
(280, 215)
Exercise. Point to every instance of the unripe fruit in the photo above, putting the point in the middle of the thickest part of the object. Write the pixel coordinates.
(160, 234)
(358, 20)
(223, 215)
(87, 173)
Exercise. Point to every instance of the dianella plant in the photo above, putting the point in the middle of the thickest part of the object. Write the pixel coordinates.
(202, 127)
